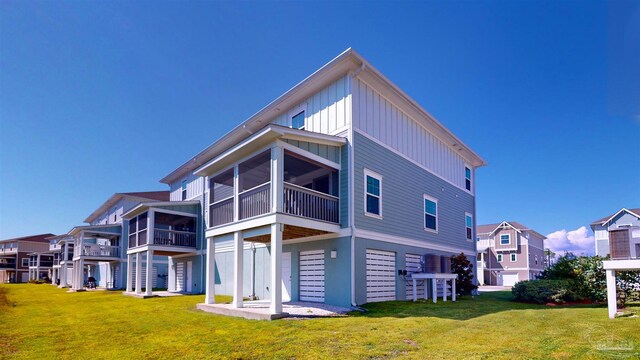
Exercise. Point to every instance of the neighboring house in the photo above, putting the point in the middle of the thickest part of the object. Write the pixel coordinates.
(508, 252)
(618, 236)
(14, 256)
(40, 265)
(623, 224)
(324, 194)
(99, 250)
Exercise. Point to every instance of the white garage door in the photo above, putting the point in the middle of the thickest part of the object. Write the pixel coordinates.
(412, 264)
(180, 276)
(312, 275)
(381, 275)
(509, 279)
(154, 276)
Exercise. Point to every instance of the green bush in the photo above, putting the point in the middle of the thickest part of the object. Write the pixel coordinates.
(545, 291)
(464, 268)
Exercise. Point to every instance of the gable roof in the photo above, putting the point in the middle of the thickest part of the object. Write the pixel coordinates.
(347, 62)
(136, 196)
(490, 228)
(36, 238)
(606, 219)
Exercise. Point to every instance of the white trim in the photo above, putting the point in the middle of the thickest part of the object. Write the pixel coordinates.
(302, 108)
(309, 155)
(499, 257)
(378, 177)
(471, 187)
(500, 240)
(502, 269)
(616, 214)
(501, 226)
(410, 242)
(465, 225)
(410, 160)
(22, 263)
(513, 257)
(424, 212)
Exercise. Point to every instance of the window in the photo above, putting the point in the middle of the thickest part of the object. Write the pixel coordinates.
(505, 239)
(297, 121)
(469, 225)
(513, 257)
(477, 238)
(430, 213)
(25, 262)
(138, 230)
(184, 190)
(467, 178)
(536, 259)
(499, 257)
(373, 193)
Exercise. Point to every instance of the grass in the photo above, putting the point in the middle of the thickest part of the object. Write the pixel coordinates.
(42, 321)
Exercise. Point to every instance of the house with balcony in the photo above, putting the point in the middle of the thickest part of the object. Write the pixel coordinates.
(61, 247)
(326, 193)
(99, 250)
(508, 252)
(15, 256)
(40, 266)
(618, 237)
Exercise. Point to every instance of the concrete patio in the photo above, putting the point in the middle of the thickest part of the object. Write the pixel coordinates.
(259, 310)
(153, 294)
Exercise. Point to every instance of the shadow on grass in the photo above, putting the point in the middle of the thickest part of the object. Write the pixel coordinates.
(464, 308)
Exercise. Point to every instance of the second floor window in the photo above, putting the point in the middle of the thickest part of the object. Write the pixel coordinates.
(430, 213)
(373, 193)
(297, 121)
(184, 190)
(505, 239)
(467, 178)
(469, 225)
(499, 257)
(513, 257)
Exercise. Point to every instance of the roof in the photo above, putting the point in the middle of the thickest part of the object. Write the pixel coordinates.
(490, 228)
(138, 196)
(35, 238)
(145, 205)
(348, 61)
(606, 219)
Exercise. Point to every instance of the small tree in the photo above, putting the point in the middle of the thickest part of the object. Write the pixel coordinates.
(464, 268)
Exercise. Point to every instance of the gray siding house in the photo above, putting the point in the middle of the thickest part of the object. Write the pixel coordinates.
(325, 193)
(508, 252)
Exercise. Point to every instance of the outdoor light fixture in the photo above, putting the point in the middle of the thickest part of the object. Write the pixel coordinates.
(334, 254)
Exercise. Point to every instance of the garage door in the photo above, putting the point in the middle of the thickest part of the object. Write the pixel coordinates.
(154, 279)
(381, 275)
(509, 279)
(312, 276)
(412, 264)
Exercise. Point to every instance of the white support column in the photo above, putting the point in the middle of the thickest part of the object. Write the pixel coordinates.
(211, 272)
(138, 286)
(63, 275)
(171, 276)
(129, 273)
(149, 280)
(236, 190)
(38, 267)
(611, 293)
(151, 223)
(277, 178)
(238, 254)
(276, 269)
(453, 289)
(434, 290)
(80, 274)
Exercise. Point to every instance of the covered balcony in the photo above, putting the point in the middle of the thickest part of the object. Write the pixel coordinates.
(8, 248)
(8, 262)
(97, 243)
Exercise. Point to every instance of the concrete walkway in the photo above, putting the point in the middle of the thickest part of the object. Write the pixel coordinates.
(259, 310)
(153, 294)
(490, 288)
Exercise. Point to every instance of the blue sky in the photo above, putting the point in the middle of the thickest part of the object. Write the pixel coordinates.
(98, 98)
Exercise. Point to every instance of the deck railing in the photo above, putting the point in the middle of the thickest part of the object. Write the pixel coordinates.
(255, 201)
(308, 203)
(221, 212)
(100, 250)
(174, 238)
(8, 265)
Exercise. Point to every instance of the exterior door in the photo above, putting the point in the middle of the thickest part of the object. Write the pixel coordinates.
(180, 276)
(286, 276)
(312, 275)
(381, 275)
(189, 275)
(619, 244)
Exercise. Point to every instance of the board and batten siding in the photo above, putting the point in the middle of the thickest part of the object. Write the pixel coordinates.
(403, 186)
(194, 187)
(388, 124)
(326, 112)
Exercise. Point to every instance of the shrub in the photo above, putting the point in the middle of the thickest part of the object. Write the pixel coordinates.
(545, 291)
(464, 268)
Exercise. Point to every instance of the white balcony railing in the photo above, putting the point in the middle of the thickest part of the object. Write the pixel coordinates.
(221, 212)
(255, 201)
(100, 250)
(308, 203)
(174, 238)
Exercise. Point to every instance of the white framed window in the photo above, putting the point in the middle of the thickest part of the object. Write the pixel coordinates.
(499, 257)
(536, 259)
(514, 258)
(372, 194)
(430, 213)
(25, 262)
(467, 177)
(297, 120)
(505, 239)
(468, 220)
(184, 190)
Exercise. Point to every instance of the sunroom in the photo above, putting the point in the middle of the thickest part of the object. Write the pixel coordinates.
(279, 184)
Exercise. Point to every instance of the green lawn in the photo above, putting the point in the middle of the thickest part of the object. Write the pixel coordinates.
(42, 321)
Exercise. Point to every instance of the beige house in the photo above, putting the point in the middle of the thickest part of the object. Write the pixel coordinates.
(508, 252)
(14, 256)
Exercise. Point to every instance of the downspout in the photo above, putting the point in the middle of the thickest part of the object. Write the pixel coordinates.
(253, 272)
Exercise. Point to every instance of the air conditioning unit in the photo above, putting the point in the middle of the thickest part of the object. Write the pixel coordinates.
(431, 264)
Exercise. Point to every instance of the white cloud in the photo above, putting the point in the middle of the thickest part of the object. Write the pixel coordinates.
(576, 241)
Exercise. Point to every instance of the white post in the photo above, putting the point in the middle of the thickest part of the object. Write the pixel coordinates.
(80, 274)
(210, 296)
(63, 275)
(238, 254)
(453, 289)
(129, 273)
(434, 290)
(236, 190)
(611, 293)
(149, 280)
(276, 269)
(444, 289)
(38, 267)
(277, 178)
(171, 279)
(138, 286)
(415, 290)
(151, 220)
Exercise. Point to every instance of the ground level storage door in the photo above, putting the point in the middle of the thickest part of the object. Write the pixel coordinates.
(312, 275)
(180, 276)
(381, 275)
(412, 264)
(509, 279)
